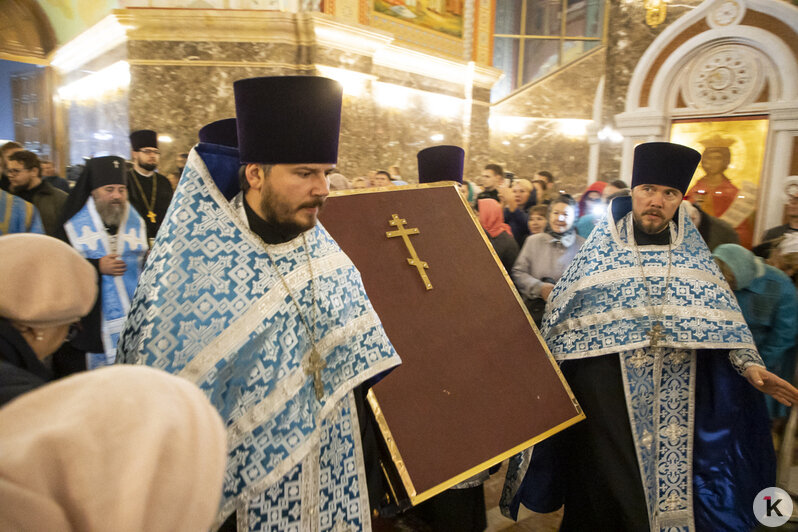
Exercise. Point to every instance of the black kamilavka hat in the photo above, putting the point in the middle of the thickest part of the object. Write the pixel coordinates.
(440, 163)
(222, 132)
(143, 138)
(288, 119)
(664, 163)
(98, 172)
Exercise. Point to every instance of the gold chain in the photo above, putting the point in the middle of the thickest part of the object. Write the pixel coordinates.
(149, 204)
(315, 363)
(655, 333)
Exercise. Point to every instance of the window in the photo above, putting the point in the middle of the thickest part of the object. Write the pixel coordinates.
(533, 38)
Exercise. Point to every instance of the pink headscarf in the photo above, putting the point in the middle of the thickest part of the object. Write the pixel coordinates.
(491, 217)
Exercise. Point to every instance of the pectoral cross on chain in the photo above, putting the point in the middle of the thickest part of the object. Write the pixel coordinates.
(151, 216)
(655, 334)
(405, 233)
(314, 366)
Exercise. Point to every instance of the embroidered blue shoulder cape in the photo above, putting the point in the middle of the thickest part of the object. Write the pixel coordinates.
(212, 308)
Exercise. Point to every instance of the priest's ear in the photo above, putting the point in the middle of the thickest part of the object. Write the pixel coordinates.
(254, 175)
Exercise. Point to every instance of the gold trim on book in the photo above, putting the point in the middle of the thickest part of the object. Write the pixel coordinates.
(423, 496)
(393, 450)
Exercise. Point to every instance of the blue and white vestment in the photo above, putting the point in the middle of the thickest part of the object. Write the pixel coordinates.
(699, 430)
(212, 308)
(87, 234)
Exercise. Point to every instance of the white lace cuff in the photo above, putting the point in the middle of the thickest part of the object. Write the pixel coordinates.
(742, 359)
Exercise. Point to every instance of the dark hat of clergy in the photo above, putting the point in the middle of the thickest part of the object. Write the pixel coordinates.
(98, 172)
(108, 170)
(440, 163)
(288, 119)
(664, 163)
(223, 132)
(143, 138)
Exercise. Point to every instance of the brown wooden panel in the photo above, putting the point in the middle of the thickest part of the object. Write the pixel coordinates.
(476, 384)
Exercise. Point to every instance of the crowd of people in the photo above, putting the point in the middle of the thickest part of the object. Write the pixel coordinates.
(667, 330)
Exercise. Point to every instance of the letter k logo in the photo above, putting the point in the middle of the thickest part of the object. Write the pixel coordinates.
(772, 507)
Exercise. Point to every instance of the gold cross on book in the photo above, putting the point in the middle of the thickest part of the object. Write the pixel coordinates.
(405, 233)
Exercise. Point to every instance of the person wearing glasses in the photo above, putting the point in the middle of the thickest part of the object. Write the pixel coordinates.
(41, 302)
(150, 192)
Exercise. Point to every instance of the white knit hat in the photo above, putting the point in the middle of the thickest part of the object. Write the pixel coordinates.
(44, 282)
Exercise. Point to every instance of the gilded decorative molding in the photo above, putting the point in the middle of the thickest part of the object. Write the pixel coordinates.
(209, 25)
(484, 31)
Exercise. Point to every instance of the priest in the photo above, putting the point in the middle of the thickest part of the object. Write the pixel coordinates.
(100, 224)
(652, 342)
(248, 296)
(150, 192)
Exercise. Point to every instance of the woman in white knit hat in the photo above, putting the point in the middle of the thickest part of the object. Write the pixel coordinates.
(122, 449)
(45, 287)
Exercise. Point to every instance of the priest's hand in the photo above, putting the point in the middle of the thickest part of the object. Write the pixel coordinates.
(111, 265)
(771, 384)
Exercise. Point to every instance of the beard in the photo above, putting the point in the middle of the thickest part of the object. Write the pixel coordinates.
(282, 216)
(149, 167)
(110, 212)
(651, 228)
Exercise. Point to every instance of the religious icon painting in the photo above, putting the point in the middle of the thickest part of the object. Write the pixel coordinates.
(726, 184)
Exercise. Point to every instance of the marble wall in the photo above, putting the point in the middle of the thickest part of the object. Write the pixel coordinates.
(528, 133)
(178, 83)
(628, 39)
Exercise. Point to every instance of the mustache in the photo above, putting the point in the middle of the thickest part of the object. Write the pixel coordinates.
(312, 204)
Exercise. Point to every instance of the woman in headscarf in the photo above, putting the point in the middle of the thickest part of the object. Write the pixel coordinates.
(501, 237)
(591, 208)
(769, 304)
(123, 448)
(544, 257)
(45, 288)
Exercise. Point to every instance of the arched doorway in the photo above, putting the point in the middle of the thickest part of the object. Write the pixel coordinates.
(725, 63)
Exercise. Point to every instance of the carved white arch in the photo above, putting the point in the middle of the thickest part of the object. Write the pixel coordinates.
(650, 122)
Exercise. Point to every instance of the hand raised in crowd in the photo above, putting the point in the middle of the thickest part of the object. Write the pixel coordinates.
(545, 291)
(771, 384)
(112, 265)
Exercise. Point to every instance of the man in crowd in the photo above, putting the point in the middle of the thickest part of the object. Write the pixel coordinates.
(551, 187)
(18, 216)
(5, 152)
(180, 163)
(99, 223)
(381, 179)
(24, 174)
(49, 175)
(772, 235)
(150, 192)
(613, 187)
(250, 298)
(653, 344)
(714, 231)
(492, 179)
